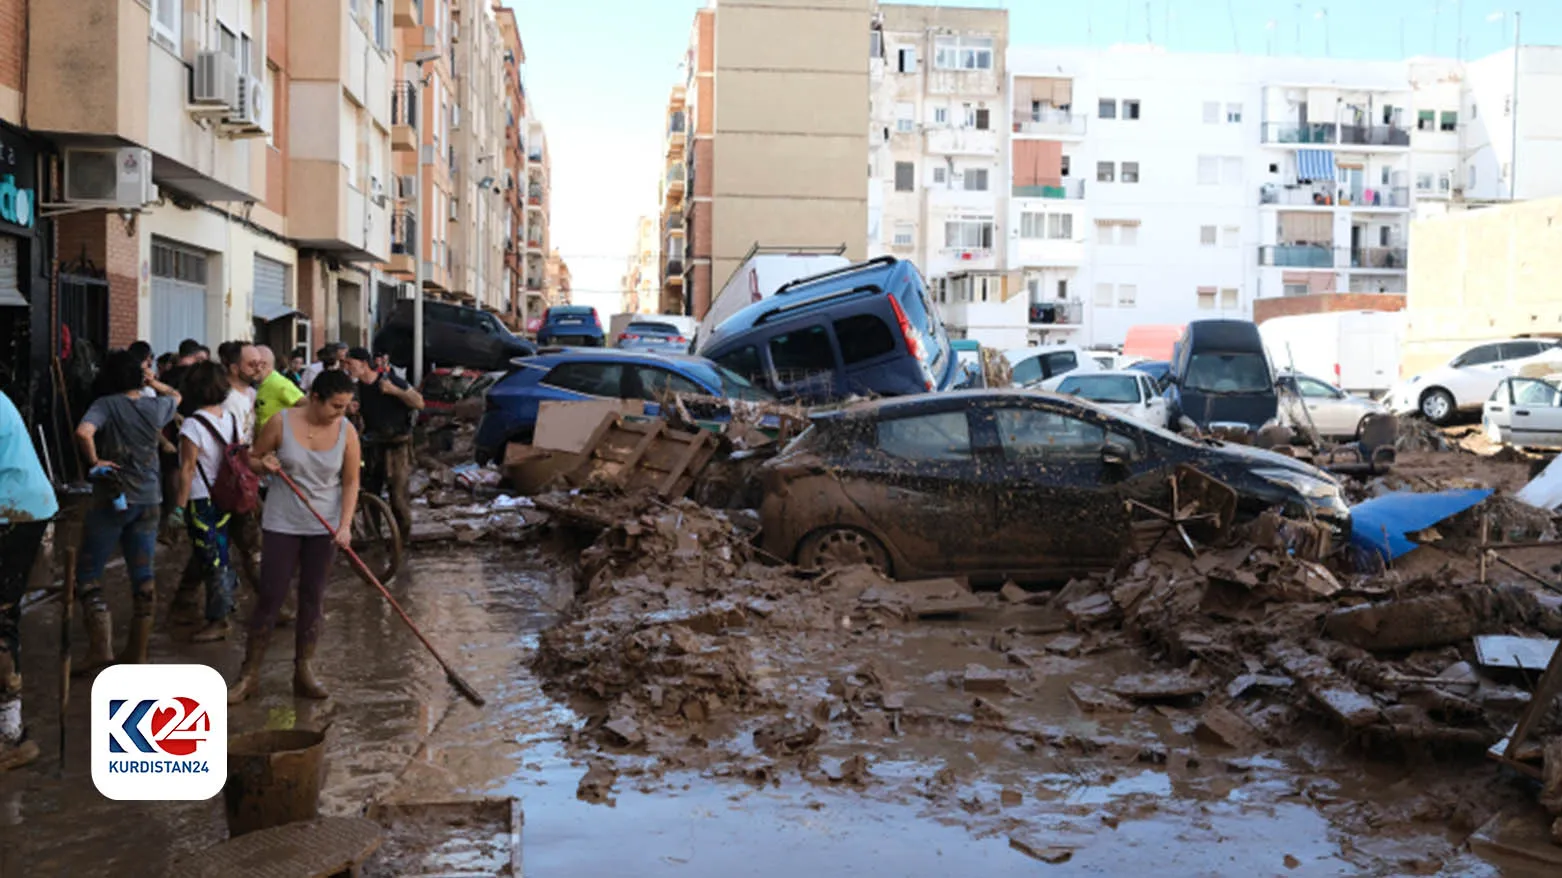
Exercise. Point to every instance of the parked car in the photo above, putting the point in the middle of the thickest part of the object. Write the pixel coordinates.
(1114, 360)
(968, 353)
(998, 483)
(511, 405)
(1526, 412)
(573, 325)
(1030, 366)
(1158, 370)
(863, 330)
(1131, 394)
(445, 390)
(453, 335)
(1330, 410)
(652, 335)
(1220, 375)
(1469, 379)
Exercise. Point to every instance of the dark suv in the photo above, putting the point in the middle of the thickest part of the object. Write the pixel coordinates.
(863, 330)
(452, 336)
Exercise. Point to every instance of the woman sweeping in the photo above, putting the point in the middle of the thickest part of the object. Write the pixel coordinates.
(316, 447)
(201, 440)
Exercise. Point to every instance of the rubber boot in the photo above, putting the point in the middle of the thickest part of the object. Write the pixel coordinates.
(15, 749)
(140, 637)
(304, 683)
(289, 612)
(249, 674)
(100, 636)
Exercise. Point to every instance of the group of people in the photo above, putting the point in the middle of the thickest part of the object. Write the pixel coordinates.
(155, 441)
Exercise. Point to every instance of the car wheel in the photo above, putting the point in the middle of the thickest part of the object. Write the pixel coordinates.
(835, 547)
(1438, 406)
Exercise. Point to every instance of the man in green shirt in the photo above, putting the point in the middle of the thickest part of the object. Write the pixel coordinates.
(274, 392)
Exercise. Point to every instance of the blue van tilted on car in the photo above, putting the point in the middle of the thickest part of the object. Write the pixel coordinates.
(862, 330)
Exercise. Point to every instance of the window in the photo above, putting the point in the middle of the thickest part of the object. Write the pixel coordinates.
(1105, 172)
(272, 96)
(941, 115)
(963, 53)
(1450, 121)
(1211, 112)
(1472, 112)
(1426, 120)
(1103, 295)
(1478, 356)
(1472, 177)
(1035, 435)
(968, 234)
(1531, 391)
(1206, 298)
(1231, 171)
(1207, 235)
(653, 384)
(975, 180)
(940, 175)
(1128, 235)
(1209, 170)
(1127, 295)
(1230, 236)
(1383, 236)
(906, 60)
(905, 117)
(1294, 290)
(1228, 298)
(1107, 108)
(802, 354)
(945, 436)
(875, 44)
(1518, 350)
(1130, 109)
(744, 361)
(1104, 388)
(592, 379)
(379, 25)
(905, 177)
(1060, 226)
(1033, 226)
(1063, 169)
(228, 43)
(1130, 172)
(1423, 182)
(1062, 289)
(1312, 388)
(905, 234)
(168, 22)
(983, 120)
(246, 56)
(1234, 114)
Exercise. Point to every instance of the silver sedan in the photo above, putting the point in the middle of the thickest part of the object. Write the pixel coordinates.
(1332, 411)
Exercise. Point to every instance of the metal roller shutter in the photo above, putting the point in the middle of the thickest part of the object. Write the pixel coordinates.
(178, 296)
(270, 296)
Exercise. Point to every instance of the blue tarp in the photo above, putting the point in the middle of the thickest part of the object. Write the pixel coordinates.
(1379, 525)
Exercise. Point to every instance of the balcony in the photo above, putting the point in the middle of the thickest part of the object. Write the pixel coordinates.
(534, 156)
(404, 117)
(1330, 258)
(534, 245)
(1070, 312)
(534, 284)
(409, 13)
(674, 266)
(1328, 133)
(1049, 123)
(1068, 188)
(404, 242)
(534, 196)
(675, 178)
(1379, 258)
(1374, 135)
(962, 141)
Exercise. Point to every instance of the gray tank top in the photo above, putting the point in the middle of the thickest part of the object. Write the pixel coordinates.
(317, 473)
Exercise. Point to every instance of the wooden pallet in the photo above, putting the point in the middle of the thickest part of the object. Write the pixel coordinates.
(644, 455)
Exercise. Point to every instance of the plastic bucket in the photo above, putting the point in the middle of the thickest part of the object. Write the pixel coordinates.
(274, 777)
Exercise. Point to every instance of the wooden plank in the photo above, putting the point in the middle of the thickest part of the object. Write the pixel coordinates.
(684, 462)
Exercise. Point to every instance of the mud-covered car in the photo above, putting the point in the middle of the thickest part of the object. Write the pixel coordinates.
(997, 483)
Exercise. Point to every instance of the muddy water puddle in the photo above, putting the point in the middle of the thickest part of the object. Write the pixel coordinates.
(939, 796)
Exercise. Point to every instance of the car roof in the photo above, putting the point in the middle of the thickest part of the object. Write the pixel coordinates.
(1104, 373)
(554, 356)
(805, 295)
(1014, 355)
(948, 399)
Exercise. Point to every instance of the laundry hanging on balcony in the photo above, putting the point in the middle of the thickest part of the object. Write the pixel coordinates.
(1315, 164)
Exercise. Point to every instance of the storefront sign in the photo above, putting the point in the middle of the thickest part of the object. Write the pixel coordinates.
(18, 179)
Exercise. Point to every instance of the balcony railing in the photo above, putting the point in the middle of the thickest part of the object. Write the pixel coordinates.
(404, 104)
(675, 221)
(534, 156)
(1325, 133)
(675, 176)
(1069, 312)
(1292, 132)
(676, 124)
(534, 194)
(1319, 256)
(1324, 195)
(1069, 188)
(404, 233)
(675, 265)
(1374, 135)
(534, 283)
(1049, 121)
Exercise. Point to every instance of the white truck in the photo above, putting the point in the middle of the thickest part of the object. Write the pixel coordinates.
(764, 271)
(1356, 351)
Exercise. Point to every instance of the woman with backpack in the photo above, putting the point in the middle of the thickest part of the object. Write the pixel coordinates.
(207, 432)
(118, 441)
(318, 450)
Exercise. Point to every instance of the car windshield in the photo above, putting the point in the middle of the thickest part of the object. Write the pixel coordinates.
(735, 386)
(1215, 372)
(570, 313)
(652, 328)
(1102, 388)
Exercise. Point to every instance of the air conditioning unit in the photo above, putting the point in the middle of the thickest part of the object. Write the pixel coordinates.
(406, 291)
(406, 186)
(118, 178)
(216, 80)
(250, 117)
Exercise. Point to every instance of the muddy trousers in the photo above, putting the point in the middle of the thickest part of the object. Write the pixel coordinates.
(210, 552)
(134, 533)
(388, 465)
(241, 542)
(282, 556)
(19, 544)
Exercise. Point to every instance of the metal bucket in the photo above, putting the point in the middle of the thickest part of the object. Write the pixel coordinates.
(274, 777)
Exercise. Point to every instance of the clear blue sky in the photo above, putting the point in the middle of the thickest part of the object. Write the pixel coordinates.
(599, 71)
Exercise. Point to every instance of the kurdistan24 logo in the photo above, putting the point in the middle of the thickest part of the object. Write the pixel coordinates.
(159, 732)
(170, 727)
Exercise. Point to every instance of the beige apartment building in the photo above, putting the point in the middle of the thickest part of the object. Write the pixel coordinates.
(776, 99)
(477, 156)
(641, 283)
(673, 186)
(541, 271)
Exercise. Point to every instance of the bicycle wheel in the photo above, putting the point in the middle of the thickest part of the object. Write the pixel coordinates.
(376, 538)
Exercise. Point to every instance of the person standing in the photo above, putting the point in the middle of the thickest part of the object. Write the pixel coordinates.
(330, 359)
(209, 428)
(318, 449)
(273, 392)
(118, 439)
(387, 405)
(28, 503)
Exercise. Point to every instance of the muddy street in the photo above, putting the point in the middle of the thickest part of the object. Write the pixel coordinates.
(982, 763)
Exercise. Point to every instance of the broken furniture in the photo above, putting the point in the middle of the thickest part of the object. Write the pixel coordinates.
(1198, 500)
(1373, 453)
(319, 848)
(602, 443)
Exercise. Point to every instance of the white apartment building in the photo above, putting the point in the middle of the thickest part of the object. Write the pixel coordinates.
(477, 173)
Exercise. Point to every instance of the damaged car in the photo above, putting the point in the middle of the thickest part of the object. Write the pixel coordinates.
(1003, 483)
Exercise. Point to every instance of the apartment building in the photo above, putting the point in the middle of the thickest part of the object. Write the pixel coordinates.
(476, 156)
(672, 189)
(642, 274)
(539, 174)
(556, 283)
(513, 211)
(775, 98)
(938, 157)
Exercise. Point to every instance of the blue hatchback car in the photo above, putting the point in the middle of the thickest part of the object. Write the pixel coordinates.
(861, 330)
(511, 405)
(576, 325)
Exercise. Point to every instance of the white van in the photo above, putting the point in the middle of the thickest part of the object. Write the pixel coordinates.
(760, 275)
(1356, 350)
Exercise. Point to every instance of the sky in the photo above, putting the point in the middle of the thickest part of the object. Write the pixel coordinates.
(598, 74)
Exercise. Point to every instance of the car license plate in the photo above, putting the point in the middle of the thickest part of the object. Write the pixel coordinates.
(570, 322)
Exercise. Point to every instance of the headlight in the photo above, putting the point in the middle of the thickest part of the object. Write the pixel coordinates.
(1306, 485)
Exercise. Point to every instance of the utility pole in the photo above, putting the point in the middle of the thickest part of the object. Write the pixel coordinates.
(416, 99)
(1513, 114)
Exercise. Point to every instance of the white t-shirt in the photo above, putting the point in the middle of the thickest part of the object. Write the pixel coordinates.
(207, 447)
(241, 405)
(311, 372)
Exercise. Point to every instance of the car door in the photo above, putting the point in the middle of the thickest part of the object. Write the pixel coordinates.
(929, 490)
(1475, 374)
(1154, 403)
(804, 364)
(1331, 413)
(1059, 507)
(582, 379)
(1537, 413)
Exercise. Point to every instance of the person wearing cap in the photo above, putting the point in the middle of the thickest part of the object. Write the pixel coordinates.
(330, 358)
(388, 406)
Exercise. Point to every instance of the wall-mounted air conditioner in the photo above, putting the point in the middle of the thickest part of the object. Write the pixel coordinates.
(249, 118)
(406, 291)
(216, 80)
(119, 178)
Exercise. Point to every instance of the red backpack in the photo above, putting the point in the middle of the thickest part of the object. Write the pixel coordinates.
(236, 489)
